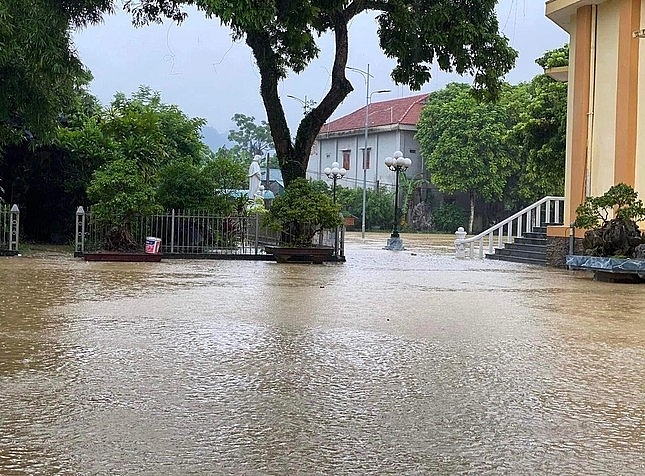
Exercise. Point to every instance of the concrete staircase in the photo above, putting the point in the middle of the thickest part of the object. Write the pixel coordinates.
(529, 249)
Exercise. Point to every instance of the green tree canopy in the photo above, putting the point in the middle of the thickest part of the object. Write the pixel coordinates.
(48, 180)
(184, 186)
(463, 141)
(554, 58)
(39, 68)
(461, 36)
(540, 133)
(250, 137)
(226, 171)
(151, 132)
(187, 186)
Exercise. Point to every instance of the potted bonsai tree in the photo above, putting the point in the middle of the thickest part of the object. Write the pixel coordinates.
(613, 243)
(300, 213)
(611, 222)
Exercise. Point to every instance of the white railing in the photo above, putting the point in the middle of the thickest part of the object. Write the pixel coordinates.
(548, 210)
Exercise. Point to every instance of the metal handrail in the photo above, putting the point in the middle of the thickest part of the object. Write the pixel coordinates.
(526, 218)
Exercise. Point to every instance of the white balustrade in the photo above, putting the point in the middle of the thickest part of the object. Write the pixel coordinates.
(544, 211)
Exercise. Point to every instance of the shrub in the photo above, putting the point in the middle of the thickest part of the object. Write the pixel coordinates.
(448, 217)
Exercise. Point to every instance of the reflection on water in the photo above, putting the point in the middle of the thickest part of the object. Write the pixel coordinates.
(392, 363)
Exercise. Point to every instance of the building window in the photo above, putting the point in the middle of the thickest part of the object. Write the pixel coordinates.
(346, 158)
(366, 159)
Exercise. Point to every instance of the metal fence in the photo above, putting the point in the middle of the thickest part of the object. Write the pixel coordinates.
(9, 228)
(195, 234)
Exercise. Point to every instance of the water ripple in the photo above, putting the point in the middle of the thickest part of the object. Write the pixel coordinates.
(390, 364)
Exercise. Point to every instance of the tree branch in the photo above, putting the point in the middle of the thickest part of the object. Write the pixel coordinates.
(265, 56)
(340, 88)
(359, 6)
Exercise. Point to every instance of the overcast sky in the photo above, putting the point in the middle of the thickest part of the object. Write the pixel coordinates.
(198, 67)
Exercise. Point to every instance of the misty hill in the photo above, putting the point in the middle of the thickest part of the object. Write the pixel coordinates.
(215, 139)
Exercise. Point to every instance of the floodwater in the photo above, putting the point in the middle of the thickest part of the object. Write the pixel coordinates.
(409, 362)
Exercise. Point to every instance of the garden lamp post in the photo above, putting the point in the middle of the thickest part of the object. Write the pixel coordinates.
(397, 163)
(335, 173)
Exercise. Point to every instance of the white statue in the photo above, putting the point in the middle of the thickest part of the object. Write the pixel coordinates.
(254, 176)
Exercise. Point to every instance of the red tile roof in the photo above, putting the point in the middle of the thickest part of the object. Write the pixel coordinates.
(385, 113)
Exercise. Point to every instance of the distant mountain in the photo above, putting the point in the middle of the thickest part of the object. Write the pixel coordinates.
(215, 139)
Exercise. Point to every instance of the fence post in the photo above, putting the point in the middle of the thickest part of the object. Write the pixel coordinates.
(172, 231)
(257, 232)
(80, 230)
(14, 228)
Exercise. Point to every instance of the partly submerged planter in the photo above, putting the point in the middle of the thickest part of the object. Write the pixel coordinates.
(122, 256)
(312, 254)
(625, 270)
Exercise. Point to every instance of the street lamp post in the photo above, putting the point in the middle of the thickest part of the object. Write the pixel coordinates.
(368, 96)
(334, 173)
(307, 104)
(397, 163)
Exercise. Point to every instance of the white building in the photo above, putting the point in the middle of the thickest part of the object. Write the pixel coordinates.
(392, 125)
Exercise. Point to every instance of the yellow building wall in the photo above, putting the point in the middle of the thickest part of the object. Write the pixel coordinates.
(613, 84)
(602, 160)
(568, 213)
(640, 137)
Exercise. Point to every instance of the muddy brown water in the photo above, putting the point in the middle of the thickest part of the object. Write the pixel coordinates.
(409, 362)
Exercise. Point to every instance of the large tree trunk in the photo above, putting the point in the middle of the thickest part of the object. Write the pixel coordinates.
(294, 157)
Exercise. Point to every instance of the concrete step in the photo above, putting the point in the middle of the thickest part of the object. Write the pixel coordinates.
(530, 248)
(535, 247)
(533, 234)
(530, 241)
(518, 259)
(527, 253)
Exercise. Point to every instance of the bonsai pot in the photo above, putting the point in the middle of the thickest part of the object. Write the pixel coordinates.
(308, 254)
(122, 256)
(607, 269)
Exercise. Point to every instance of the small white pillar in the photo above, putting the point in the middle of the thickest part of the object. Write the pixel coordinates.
(460, 247)
(14, 228)
(80, 230)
